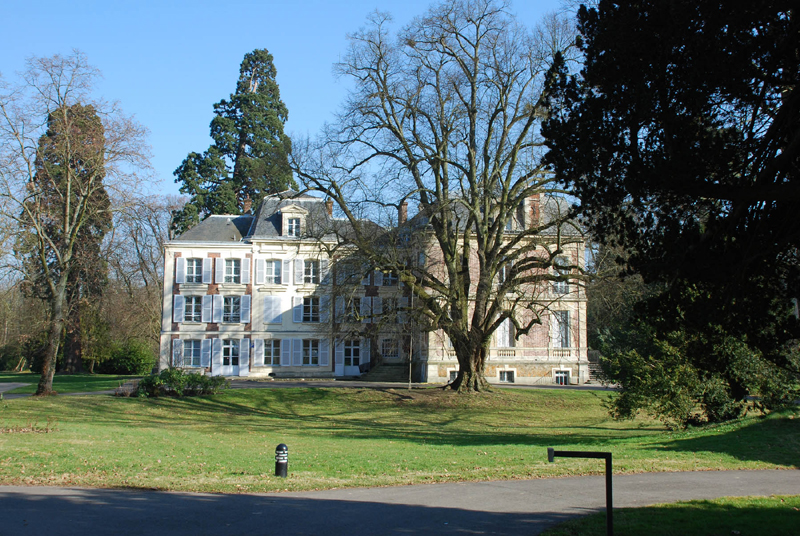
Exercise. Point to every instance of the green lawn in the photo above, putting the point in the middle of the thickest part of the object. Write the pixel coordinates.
(71, 383)
(356, 437)
(752, 516)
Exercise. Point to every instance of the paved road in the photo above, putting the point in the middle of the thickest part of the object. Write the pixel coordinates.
(498, 508)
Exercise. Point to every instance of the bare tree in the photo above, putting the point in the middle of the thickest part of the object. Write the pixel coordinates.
(445, 116)
(60, 150)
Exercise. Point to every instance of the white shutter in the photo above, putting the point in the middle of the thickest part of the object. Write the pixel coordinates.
(297, 352)
(219, 272)
(180, 270)
(286, 352)
(260, 271)
(205, 353)
(402, 314)
(324, 353)
(365, 279)
(297, 309)
(324, 308)
(244, 357)
(298, 271)
(272, 310)
(338, 352)
(216, 313)
(377, 307)
(324, 271)
(366, 310)
(244, 317)
(206, 314)
(378, 278)
(245, 264)
(338, 309)
(207, 262)
(287, 269)
(502, 335)
(258, 352)
(216, 357)
(178, 308)
(177, 353)
(364, 359)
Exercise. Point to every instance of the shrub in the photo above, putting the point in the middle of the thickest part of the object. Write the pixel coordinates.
(176, 382)
(131, 358)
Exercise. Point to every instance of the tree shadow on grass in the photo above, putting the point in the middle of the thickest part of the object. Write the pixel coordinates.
(772, 439)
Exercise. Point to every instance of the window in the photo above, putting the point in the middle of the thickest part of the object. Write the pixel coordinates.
(311, 272)
(311, 309)
(193, 309)
(232, 309)
(352, 311)
(352, 353)
(390, 279)
(560, 329)
(562, 377)
(233, 269)
(272, 272)
(390, 309)
(272, 352)
(194, 270)
(507, 376)
(561, 287)
(230, 352)
(561, 268)
(293, 227)
(191, 353)
(453, 376)
(389, 349)
(310, 352)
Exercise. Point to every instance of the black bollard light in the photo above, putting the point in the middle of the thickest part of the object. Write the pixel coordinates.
(281, 460)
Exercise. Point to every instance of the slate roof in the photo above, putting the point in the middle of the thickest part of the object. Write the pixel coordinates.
(219, 228)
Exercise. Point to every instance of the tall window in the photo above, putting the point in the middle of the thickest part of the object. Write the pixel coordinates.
(352, 353)
(191, 353)
(561, 268)
(233, 269)
(232, 309)
(389, 348)
(193, 309)
(310, 352)
(194, 270)
(390, 279)
(311, 309)
(390, 309)
(272, 272)
(352, 312)
(293, 227)
(230, 352)
(272, 352)
(311, 272)
(560, 329)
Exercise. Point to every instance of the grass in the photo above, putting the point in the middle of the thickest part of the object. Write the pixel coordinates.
(769, 516)
(356, 437)
(67, 383)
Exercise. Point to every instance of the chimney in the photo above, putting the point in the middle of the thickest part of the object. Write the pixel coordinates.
(402, 213)
(329, 206)
(533, 211)
(248, 204)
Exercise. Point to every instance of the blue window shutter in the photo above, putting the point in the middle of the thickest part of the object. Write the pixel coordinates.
(244, 357)
(324, 308)
(338, 353)
(245, 273)
(219, 272)
(287, 269)
(366, 310)
(378, 278)
(402, 314)
(364, 358)
(207, 262)
(298, 271)
(297, 352)
(377, 307)
(286, 352)
(324, 272)
(260, 271)
(245, 309)
(178, 308)
(338, 309)
(177, 353)
(205, 353)
(216, 313)
(216, 356)
(297, 309)
(258, 352)
(206, 313)
(324, 353)
(180, 270)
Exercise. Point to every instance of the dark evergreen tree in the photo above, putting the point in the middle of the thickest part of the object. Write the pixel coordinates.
(249, 156)
(681, 136)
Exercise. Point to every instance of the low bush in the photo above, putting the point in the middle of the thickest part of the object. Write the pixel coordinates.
(176, 382)
(129, 358)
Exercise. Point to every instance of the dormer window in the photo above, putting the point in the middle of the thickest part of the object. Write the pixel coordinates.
(293, 227)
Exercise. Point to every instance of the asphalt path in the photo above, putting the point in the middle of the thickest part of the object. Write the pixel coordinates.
(499, 508)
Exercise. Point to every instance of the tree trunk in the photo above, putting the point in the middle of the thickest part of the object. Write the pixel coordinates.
(45, 387)
(470, 377)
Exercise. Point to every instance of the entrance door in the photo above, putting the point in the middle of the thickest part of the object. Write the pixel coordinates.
(352, 357)
(230, 357)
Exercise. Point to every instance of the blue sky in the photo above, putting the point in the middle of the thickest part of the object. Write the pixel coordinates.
(168, 62)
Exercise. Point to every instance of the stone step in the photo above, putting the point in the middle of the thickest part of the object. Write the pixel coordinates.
(387, 373)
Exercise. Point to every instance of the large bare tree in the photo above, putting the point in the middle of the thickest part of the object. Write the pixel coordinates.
(444, 115)
(60, 152)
